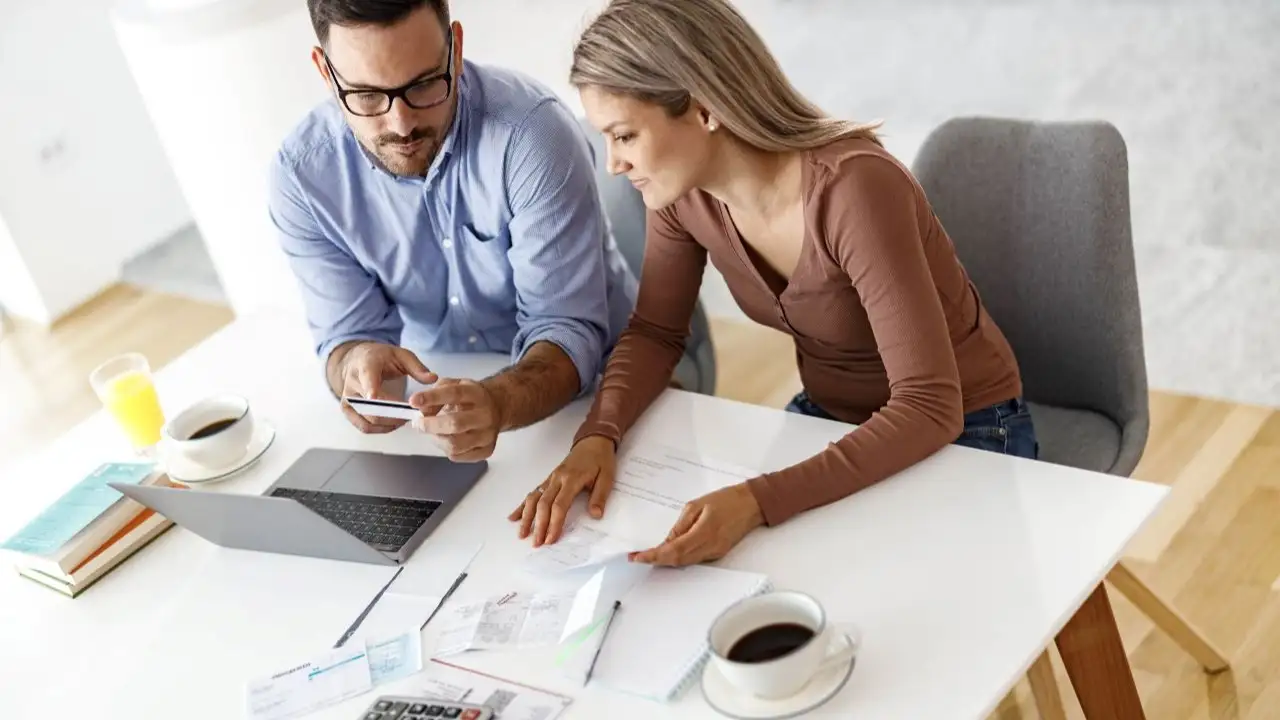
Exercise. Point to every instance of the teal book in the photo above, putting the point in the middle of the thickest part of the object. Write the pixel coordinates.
(77, 507)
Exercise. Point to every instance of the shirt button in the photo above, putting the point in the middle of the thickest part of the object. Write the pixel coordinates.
(454, 300)
(473, 339)
(447, 243)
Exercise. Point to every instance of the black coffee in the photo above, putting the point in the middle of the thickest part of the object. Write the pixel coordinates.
(769, 642)
(212, 428)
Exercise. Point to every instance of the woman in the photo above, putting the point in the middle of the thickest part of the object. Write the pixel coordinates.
(818, 231)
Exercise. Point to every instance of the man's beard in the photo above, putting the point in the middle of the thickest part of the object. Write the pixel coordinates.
(384, 147)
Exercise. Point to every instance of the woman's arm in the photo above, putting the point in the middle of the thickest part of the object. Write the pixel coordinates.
(873, 231)
(647, 352)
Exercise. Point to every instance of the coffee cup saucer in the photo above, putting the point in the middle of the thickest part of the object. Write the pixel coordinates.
(728, 700)
(182, 470)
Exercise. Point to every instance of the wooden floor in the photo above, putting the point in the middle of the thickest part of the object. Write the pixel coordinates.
(1214, 550)
(44, 374)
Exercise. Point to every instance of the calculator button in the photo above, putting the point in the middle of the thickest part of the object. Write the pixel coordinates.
(382, 705)
(398, 708)
(470, 714)
(435, 711)
(373, 716)
(418, 709)
(452, 712)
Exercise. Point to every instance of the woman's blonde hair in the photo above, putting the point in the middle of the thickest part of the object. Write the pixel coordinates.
(671, 52)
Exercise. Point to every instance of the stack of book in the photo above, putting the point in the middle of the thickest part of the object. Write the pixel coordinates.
(89, 530)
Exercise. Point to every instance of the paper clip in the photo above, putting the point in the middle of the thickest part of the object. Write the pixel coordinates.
(506, 598)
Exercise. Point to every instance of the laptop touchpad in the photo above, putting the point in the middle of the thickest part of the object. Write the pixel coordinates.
(382, 475)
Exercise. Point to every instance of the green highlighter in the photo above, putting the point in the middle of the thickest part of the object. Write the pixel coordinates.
(572, 646)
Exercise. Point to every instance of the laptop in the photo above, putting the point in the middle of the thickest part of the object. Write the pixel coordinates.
(335, 504)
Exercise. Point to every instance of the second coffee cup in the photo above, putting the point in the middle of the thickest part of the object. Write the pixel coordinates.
(211, 433)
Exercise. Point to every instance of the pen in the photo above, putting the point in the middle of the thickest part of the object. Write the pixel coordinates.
(444, 599)
(604, 634)
(365, 613)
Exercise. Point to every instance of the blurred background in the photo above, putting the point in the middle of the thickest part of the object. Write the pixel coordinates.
(136, 152)
(135, 135)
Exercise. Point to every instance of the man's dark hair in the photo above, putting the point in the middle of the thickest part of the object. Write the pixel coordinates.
(347, 13)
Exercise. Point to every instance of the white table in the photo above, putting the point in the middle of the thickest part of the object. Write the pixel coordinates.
(959, 571)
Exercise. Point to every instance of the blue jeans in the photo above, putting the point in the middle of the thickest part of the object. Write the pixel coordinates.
(1003, 428)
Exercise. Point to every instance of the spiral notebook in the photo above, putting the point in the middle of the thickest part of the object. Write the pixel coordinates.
(657, 644)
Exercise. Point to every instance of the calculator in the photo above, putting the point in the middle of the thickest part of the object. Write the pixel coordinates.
(395, 707)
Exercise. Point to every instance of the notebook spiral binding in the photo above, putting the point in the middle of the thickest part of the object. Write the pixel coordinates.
(692, 671)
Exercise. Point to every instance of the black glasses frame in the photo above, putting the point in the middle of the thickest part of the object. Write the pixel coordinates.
(399, 92)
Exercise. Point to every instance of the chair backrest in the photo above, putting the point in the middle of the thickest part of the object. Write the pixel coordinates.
(1039, 214)
(626, 213)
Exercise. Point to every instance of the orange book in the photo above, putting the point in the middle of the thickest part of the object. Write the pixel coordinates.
(144, 527)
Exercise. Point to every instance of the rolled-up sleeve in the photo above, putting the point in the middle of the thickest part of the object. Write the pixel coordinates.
(557, 250)
(343, 301)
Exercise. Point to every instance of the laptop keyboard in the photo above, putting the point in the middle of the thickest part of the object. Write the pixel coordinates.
(385, 523)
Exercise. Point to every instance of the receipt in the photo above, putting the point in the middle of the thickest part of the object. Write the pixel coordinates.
(580, 546)
(394, 658)
(510, 621)
(544, 624)
(334, 676)
(308, 686)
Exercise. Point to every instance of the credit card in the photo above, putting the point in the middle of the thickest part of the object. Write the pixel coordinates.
(383, 408)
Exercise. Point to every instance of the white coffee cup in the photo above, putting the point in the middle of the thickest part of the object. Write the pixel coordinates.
(783, 675)
(211, 433)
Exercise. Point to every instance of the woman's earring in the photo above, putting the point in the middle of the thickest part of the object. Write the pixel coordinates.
(712, 126)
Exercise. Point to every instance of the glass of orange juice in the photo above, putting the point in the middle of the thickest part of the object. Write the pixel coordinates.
(125, 387)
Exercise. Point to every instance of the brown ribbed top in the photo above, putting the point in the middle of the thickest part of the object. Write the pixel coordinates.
(889, 331)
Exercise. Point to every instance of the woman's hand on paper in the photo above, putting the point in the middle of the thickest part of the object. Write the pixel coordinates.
(589, 466)
(708, 528)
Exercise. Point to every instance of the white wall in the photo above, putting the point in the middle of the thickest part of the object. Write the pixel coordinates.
(18, 294)
(248, 61)
(84, 184)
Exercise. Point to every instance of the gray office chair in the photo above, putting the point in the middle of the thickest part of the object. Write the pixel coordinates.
(626, 211)
(1039, 214)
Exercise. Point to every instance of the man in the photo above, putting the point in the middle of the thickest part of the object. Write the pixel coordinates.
(440, 205)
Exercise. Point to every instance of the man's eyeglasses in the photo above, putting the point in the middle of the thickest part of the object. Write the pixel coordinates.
(420, 94)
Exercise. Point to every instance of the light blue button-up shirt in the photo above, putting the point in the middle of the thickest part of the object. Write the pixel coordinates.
(502, 244)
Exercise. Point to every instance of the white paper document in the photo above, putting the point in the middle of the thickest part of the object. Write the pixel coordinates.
(514, 620)
(656, 645)
(392, 658)
(396, 612)
(579, 546)
(509, 700)
(433, 568)
(610, 583)
(417, 590)
(651, 487)
(325, 680)
(507, 622)
(334, 676)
